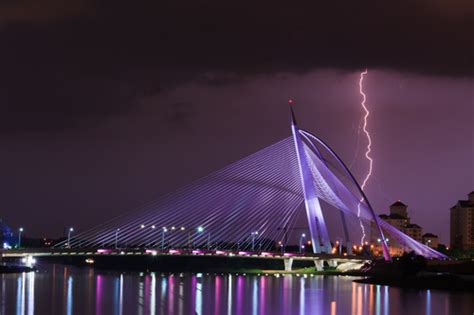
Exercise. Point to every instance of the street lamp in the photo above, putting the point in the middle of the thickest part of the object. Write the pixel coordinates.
(282, 248)
(200, 229)
(20, 230)
(301, 242)
(339, 245)
(116, 237)
(254, 234)
(209, 241)
(163, 231)
(69, 236)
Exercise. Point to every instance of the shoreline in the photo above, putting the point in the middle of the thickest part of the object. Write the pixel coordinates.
(445, 282)
(15, 269)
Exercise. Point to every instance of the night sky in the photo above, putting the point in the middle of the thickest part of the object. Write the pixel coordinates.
(105, 105)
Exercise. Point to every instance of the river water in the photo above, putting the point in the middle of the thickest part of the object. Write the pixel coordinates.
(60, 289)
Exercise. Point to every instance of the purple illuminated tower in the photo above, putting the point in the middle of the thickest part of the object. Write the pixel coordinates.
(317, 225)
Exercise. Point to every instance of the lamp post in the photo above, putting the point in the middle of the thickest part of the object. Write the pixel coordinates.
(20, 230)
(209, 241)
(163, 231)
(339, 245)
(301, 242)
(142, 226)
(69, 237)
(199, 229)
(254, 234)
(182, 229)
(116, 237)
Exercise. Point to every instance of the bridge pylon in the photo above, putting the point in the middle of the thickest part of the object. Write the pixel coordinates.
(316, 223)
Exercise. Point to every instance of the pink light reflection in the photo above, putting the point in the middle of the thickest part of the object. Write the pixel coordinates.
(98, 294)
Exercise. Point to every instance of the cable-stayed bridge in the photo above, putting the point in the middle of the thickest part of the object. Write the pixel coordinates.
(243, 207)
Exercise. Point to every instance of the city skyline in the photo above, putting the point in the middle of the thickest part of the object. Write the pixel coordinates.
(98, 121)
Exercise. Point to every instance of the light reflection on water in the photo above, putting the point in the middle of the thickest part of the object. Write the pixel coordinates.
(62, 289)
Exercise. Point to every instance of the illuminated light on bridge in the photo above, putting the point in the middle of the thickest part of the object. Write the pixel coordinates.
(29, 261)
(260, 192)
(104, 251)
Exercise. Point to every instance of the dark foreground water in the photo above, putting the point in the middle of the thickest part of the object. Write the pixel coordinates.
(59, 289)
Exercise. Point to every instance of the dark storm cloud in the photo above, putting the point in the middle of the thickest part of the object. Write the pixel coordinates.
(65, 66)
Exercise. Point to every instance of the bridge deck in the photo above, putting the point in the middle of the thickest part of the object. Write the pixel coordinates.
(216, 253)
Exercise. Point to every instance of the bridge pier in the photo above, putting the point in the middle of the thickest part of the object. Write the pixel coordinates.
(332, 263)
(288, 263)
(319, 264)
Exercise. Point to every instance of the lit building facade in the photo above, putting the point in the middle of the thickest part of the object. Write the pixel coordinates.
(414, 231)
(462, 224)
(399, 218)
(430, 240)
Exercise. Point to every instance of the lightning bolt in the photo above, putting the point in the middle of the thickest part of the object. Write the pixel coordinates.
(369, 148)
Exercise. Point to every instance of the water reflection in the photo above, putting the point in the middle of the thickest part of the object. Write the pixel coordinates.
(25, 294)
(302, 294)
(229, 295)
(198, 296)
(85, 291)
(118, 300)
(98, 294)
(69, 296)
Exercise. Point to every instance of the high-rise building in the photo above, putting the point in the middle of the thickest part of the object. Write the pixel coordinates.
(462, 224)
